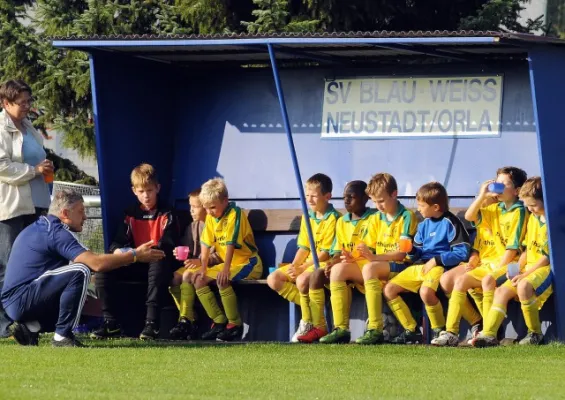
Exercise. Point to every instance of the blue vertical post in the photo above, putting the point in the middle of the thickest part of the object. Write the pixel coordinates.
(293, 154)
(99, 155)
(292, 308)
(547, 86)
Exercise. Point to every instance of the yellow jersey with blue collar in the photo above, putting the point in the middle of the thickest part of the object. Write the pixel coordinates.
(323, 230)
(231, 228)
(351, 232)
(506, 227)
(536, 242)
(385, 234)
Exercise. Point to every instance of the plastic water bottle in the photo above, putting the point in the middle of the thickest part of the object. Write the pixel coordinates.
(513, 270)
(496, 187)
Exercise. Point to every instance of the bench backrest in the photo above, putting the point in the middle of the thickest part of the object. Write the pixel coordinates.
(288, 220)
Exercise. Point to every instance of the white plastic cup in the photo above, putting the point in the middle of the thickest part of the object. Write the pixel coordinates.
(513, 270)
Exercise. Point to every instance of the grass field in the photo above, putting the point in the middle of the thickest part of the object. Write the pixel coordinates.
(130, 369)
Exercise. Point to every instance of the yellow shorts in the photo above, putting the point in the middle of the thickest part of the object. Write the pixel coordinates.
(541, 280)
(252, 270)
(412, 278)
(312, 268)
(484, 269)
(395, 269)
(182, 270)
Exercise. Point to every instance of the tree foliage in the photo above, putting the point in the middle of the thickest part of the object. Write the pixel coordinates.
(61, 78)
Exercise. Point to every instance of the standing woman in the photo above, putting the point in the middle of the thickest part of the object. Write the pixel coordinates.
(24, 194)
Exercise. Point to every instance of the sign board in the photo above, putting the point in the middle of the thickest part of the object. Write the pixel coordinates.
(376, 108)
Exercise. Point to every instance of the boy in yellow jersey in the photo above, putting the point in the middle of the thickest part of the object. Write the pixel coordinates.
(441, 243)
(227, 229)
(351, 230)
(500, 230)
(323, 218)
(181, 288)
(532, 286)
(391, 223)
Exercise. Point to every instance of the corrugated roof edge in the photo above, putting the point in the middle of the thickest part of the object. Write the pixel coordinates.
(358, 34)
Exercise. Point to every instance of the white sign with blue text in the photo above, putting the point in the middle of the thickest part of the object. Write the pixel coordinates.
(433, 106)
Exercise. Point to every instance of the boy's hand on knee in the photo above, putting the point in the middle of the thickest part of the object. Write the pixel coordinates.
(192, 263)
(517, 279)
(198, 275)
(428, 266)
(469, 267)
(223, 278)
(347, 257)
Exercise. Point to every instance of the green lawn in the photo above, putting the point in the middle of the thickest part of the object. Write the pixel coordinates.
(130, 369)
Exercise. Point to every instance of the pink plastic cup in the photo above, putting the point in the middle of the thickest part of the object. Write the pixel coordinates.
(182, 253)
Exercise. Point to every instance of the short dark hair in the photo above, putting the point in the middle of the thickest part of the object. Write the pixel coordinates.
(322, 181)
(11, 89)
(434, 193)
(358, 187)
(517, 175)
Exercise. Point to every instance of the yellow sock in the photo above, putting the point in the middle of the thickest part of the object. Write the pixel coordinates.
(210, 305)
(229, 301)
(488, 298)
(469, 313)
(187, 296)
(374, 298)
(348, 300)
(305, 307)
(531, 315)
(478, 297)
(175, 292)
(402, 313)
(454, 311)
(494, 319)
(317, 304)
(339, 299)
(435, 314)
(290, 292)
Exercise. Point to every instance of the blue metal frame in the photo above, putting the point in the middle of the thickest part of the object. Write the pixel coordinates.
(99, 155)
(286, 123)
(273, 41)
(547, 88)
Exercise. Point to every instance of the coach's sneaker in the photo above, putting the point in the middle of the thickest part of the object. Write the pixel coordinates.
(184, 330)
(313, 335)
(484, 341)
(108, 330)
(231, 333)
(408, 337)
(532, 338)
(150, 331)
(303, 328)
(338, 335)
(214, 331)
(67, 342)
(371, 336)
(446, 339)
(23, 335)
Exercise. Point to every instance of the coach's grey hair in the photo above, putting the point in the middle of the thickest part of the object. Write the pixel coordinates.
(64, 199)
